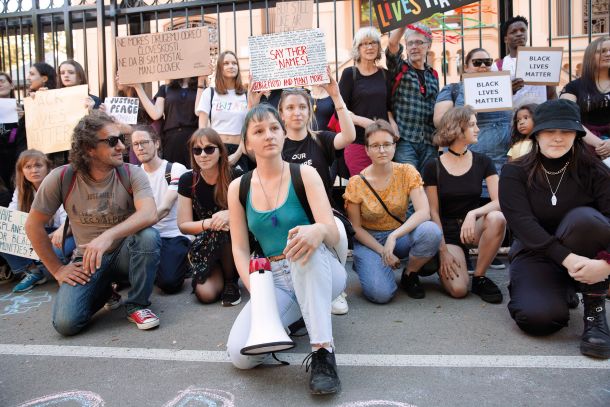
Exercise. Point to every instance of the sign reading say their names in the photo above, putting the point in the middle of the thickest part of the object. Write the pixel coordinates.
(280, 60)
(393, 14)
(164, 55)
(125, 110)
(293, 15)
(489, 91)
(13, 239)
(51, 115)
(539, 65)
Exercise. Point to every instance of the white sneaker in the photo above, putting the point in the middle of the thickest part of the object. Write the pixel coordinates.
(339, 305)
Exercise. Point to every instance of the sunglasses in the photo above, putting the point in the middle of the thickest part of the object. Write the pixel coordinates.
(208, 150)
(112, 141)
(482, 61)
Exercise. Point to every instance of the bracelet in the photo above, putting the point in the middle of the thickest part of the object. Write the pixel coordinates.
(201, 87)
(202, 225)
(339, 108)
(603, 255)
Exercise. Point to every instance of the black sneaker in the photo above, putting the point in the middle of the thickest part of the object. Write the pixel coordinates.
(572, 298)
(497, 264)
(230, 294)
(486, 289)
(410, 283)
(324, 378)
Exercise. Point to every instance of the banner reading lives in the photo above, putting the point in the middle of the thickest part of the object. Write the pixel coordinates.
(125, 110)
(539, 65)
(281, 60)
(393, 14)
(489, 91)
(293, 15)
(165, 55)
(13, 239)
(51, 116)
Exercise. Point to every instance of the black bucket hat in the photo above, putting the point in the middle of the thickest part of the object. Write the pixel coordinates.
(559, 114)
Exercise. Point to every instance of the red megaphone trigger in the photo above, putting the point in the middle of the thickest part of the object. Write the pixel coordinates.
(259, 264)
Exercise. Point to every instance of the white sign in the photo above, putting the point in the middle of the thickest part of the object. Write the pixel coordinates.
(289, 59)
(8, 111)
(489, 91)
(125, 110)
(13, 239)
(539, 65)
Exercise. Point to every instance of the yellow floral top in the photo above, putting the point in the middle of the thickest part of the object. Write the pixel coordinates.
(405, 178)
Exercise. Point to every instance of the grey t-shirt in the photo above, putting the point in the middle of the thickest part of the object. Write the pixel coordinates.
(93, 207)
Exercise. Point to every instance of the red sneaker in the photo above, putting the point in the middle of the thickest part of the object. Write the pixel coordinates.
(144, 318)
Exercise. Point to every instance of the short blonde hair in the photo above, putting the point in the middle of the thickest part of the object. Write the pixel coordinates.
(453, 125)
(370, 33)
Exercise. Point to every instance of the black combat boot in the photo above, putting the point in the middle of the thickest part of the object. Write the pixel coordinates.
(595, 340)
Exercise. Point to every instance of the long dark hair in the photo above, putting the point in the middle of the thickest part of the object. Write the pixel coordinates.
(515, 136)
(11, 95)
(177, 83)
(47, 70)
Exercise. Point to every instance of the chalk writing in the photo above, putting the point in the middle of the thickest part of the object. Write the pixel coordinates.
(13, 239)
(381, 403)
(22, 303)
(209, 397)
(82, 398)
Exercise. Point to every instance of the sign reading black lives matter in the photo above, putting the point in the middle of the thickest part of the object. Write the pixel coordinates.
(393, 14)
(165, 55)
(13, 239)
(289, 59)
(539, 65)
(489, 91)
(125, 110)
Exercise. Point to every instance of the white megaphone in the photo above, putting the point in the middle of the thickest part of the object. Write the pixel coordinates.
(267, 333)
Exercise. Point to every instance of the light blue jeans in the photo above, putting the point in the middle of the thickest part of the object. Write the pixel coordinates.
(300, 290)
(416, 154)
(376, 278)
(136, 259)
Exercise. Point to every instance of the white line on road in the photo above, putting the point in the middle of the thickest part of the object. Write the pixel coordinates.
(457, 361)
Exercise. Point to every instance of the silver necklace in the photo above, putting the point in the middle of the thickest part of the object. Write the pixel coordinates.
(546, 175)
(274, 220)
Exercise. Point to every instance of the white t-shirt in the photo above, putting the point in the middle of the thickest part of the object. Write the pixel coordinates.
(228, 111)
(168, 226)
(528, 93)
(56, 221)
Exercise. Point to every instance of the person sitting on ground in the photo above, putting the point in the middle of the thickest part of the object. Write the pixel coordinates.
(376, 202)
(556, 200)
(163, 177)
(523, 124)
(307, 274)
(453, 186)
(202, 211)
(111, 210)
(31, 169)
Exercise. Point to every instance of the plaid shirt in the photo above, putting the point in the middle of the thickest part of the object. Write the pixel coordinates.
(412, 111)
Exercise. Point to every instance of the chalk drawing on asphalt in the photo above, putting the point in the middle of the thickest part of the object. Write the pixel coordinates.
(68, 398)
(204, 397)
(21, 303)
(376, 403)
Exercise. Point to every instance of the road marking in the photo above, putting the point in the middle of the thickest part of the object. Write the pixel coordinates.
(182, 355)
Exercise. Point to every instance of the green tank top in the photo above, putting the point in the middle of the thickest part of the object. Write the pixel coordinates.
(289, 214)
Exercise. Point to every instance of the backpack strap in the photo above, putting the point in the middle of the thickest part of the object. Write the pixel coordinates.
(499, 63)
(124, 174)
(67, 179)
(299, 188)
(168, 172)
(455, 91)
(404, 68)
(244, 188)
(211, 100)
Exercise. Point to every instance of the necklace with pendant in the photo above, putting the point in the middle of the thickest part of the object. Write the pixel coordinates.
(546, 175)
(274, 220)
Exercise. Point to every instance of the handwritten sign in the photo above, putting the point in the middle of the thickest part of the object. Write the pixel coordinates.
(539, 65)
(489, 91)
(288, 59)
(125, 110)
(8, 110)
(293, 15)
(393, 14)
(13, 239)
(51, 116)
(165, 55)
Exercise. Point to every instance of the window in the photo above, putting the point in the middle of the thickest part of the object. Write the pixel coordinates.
(600, 16)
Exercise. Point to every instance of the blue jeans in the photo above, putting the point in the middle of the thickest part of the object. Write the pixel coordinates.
(416, 154)
(376, 278)
(172, 264)
(136, 259)
(21, 264)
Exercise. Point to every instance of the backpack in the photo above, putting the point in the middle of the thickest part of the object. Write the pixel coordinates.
(404, 68)
(455, 91)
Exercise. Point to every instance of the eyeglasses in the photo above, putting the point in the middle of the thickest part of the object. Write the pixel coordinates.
(208, 150)
(482, 61)
(112, 141)
(368, 44)
(416, 43)
(377, 147)
(138, 144)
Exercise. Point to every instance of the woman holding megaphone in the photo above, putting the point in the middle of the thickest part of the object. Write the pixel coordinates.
(306, 274)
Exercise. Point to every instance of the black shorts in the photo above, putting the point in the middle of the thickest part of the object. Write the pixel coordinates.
(451, 232)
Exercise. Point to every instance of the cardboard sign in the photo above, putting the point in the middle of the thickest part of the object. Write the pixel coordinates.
(51, 116)
(393, 14)
(125, 110)
(489, 91)
(288, 59)
(293, 15)
(539, 65)
(165, 55)
(13, 239)
(8, 110)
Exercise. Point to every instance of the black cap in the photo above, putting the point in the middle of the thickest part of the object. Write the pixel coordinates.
(561, 114)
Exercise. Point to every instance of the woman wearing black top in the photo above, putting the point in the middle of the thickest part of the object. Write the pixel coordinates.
(556, 200)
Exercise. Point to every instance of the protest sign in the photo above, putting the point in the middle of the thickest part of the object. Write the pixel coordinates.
(125, 110)
(293, 15)
(8, 110)
(165, 55)
(489, 91)
(51, 116)
(13, 239)
(288, 59)
(393, 14)
(539, 65)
